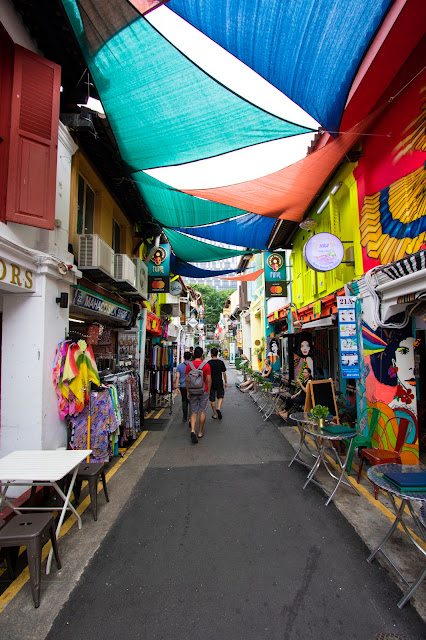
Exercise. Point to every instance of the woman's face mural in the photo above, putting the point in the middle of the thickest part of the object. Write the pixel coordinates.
(404, 363)
(305, 347)
(391, 386)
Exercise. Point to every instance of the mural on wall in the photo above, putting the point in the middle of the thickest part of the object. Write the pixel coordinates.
(303, 352)
(273, 352)
(391, 386)
(393, 197)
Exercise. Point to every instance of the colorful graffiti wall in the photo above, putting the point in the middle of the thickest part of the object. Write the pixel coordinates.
(391, 386)
(391, 178)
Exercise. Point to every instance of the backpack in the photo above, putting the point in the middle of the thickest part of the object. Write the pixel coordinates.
(196, 380)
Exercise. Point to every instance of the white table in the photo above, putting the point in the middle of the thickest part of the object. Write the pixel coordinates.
(41, 468)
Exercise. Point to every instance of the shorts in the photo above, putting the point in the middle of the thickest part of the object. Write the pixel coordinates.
(198, 403)
(217, 392)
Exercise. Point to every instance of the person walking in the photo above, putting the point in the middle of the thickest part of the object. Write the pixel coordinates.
(219, 383)
(180, 384)
(198, 385)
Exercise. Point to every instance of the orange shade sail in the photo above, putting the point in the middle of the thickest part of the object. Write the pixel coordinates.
(249, 277)
(286, 194)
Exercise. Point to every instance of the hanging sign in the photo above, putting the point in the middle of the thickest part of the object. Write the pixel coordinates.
(348, 337)
(159, 270)
(275, 274)
(93, 302)
(323, 252)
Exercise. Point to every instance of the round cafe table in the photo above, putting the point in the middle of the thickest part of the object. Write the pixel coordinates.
(323, 440)
(376, 475)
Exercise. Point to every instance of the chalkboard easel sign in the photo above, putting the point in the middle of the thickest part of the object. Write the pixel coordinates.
(322, 392)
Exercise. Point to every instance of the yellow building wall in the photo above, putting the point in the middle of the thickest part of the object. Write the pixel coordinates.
(106, 208)
(340, 217)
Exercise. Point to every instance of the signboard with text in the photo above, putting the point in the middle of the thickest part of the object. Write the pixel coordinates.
(348, 337)
(159, 270)
(97, 303)
(275, 274)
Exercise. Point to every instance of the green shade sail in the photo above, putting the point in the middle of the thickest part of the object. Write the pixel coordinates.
(175, 209)
(162, 108)
(192, 250)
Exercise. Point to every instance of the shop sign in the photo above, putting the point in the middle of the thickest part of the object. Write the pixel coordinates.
(16, 277)
(323, 252)
(175, 288)
(348, 337)
(159, 270)
(275, 274)
(97, 303)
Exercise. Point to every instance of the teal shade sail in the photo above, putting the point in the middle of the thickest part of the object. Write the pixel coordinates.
(192, 250)
(172, 208)
(162, 108)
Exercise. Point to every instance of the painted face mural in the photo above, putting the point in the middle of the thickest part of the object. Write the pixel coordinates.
(391, 386)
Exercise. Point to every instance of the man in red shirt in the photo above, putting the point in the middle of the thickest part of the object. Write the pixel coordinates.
(198, 400)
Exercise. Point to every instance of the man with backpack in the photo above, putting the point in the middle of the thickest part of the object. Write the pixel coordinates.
(198, 385)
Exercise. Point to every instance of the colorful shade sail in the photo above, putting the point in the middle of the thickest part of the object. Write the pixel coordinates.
(287, 194)
(310, 49)
(183, 268)
(172, 208)
(247, 277)
(187, 248)
(162, 108)
(250, 230)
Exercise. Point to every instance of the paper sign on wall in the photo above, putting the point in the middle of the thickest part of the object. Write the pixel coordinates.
(348, 337)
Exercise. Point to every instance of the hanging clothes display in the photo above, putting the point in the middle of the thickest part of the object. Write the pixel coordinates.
(126, 385)
(74, 369)
(103, 426)
(160, 365)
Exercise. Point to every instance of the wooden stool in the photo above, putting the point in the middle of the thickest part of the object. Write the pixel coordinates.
(28, 531)
(91, 471)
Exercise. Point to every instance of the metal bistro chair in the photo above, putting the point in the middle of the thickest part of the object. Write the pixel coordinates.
(385, 456)
(362, 439)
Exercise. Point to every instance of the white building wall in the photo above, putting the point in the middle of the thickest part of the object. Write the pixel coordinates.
(32, 321)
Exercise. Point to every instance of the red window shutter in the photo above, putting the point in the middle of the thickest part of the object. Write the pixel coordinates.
(31, 186)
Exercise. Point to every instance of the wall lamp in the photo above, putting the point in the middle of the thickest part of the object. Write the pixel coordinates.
(334, 190)
(62, 300)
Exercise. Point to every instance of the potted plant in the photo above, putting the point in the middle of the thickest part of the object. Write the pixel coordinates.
(319, 412)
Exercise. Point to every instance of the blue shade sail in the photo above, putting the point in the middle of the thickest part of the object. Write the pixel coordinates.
(182, 268)
(172, 208)
(250, 230)
(187, 248)
(162, 108)
(309, 49)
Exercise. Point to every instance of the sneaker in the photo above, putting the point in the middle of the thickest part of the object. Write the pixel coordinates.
(219, 414)
(194, 438)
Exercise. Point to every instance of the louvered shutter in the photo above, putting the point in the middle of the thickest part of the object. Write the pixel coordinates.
(31, 186)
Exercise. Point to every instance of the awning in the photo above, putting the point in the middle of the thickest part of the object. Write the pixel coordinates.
(322, 322)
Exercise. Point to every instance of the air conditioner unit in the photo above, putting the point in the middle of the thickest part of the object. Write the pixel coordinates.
(124, 273)
(96, 257)
(141, 277)
(170, 310)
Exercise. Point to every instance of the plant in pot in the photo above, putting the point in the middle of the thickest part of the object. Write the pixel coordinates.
(259, 349)
(319, 413)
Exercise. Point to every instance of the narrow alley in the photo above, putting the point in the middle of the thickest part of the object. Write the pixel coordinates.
(218, 540)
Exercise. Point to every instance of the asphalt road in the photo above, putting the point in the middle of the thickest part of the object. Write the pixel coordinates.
(219, 541)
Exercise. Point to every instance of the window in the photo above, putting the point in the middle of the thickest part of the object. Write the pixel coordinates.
(116, 234)
(85, 207)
